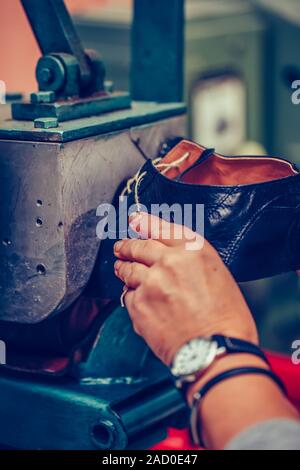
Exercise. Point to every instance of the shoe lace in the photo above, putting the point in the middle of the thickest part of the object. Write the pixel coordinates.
(133, 183)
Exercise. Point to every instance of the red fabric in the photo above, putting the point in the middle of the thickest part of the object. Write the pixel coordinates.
(289, 374)
(282, 366)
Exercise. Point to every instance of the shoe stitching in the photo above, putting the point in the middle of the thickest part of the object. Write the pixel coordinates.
(234, 246)
(217, 205)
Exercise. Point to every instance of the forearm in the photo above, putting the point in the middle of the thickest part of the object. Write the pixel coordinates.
(238, 403)
(169, 307)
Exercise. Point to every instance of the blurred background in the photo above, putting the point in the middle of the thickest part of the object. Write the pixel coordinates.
(241, 58)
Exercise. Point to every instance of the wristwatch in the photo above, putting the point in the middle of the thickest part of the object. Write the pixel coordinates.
(197, 355)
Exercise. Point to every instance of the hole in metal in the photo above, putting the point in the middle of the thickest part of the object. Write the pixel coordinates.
(40, 269)
(39, 202)
(103, 435)
(6, 242)
(39, 222)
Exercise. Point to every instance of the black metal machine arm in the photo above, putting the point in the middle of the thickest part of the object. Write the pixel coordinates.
(157, 51)
(65, 68)
(55, 33)
(71, 79)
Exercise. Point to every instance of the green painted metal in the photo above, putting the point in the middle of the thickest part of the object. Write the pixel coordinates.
(72, 109)
(60, 414)
(118, 398)
(63, 414)
(46, 123)
(55, 33)
(140, 113)
(43, 97)
(74, 76)
(157, 50)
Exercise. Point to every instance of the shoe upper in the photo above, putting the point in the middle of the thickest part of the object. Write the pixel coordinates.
(251, 209)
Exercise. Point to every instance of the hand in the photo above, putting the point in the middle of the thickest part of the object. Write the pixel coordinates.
(176, 294)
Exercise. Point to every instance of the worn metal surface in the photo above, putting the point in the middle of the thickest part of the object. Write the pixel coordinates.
(139, 114)
(157, 50)
(42, 414)
(121, 396)
(49, 193)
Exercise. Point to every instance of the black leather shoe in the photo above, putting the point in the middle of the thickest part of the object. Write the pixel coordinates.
(251, 209)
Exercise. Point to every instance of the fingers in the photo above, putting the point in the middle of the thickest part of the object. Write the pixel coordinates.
(129, 300)
(132, 274)
(150, 226)
(165, 235)
(130, 303)
(146, 252)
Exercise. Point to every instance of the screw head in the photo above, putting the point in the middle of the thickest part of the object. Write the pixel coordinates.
(42, 97)
(46, 75)
(46, 123)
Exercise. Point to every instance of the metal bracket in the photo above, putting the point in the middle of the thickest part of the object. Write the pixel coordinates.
(70, 79)
(59, 43)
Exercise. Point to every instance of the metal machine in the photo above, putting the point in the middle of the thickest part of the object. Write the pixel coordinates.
(224, 61)
(62, 153)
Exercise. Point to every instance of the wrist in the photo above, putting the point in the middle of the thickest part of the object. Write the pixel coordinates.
(223, 364)
(237, 403)
(249, 336)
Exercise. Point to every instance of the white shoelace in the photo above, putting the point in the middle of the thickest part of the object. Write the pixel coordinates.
(136, 181)
(138, 177)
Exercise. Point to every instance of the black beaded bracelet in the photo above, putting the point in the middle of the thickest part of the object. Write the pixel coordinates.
(198, 396)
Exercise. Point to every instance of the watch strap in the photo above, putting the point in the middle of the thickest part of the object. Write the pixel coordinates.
(239, 346)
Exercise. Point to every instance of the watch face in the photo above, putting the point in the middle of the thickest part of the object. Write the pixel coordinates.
(194, 356)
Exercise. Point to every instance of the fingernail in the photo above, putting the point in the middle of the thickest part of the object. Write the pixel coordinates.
(117, 246)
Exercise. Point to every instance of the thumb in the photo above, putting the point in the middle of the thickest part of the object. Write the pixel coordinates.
(170, 234)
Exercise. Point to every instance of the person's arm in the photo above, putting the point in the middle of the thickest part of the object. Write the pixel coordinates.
(238, 403)
(176, 294)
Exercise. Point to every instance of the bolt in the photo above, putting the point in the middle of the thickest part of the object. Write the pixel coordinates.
(42, 97)
(45, 123)
(46, 75)
(109, 86)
